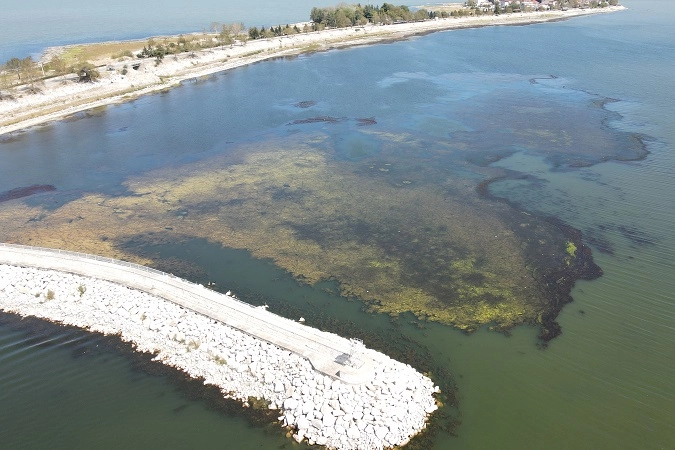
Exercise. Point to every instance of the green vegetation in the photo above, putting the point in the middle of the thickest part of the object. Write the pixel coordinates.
(21, 67)
(87, 73)
(452, 260)
(402, 237)
(27, 73)
(571, 249)
(262, 33)
(352, 15)
(30, 75)
(156, 50)
(81, 289)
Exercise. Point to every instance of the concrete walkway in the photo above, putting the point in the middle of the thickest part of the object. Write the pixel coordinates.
(327, 352)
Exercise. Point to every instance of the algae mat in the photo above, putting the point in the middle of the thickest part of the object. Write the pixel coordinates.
(394, 235)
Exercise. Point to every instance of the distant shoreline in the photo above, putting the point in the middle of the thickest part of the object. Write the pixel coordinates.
(62, 97)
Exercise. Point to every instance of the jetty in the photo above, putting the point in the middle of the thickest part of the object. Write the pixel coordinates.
(328, 353)
(329, 390)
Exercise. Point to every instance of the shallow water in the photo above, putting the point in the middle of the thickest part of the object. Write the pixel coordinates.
(606, 382)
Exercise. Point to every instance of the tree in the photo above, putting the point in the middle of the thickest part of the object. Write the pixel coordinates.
(14, 65)
(421, 15)
(237, 28)
(159, 53)
(341, 20)
(225, 35)
(29, 69)
(229, 32)
(87, 73)
(265, 33)
(25, 69)
(31, 74)
(5, 84)
(317, 15)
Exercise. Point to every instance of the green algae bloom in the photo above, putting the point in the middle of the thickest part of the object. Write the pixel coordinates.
(571, 249)
(401, 239)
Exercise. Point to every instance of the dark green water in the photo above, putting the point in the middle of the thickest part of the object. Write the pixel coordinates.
(66, 389)
(607, 382)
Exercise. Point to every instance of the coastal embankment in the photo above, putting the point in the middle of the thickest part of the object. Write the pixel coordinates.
(124, 79)
(370, 402)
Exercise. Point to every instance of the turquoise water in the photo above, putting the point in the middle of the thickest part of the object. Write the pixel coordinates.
(607, 382)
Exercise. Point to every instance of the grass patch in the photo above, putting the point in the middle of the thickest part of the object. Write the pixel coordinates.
(122, 54)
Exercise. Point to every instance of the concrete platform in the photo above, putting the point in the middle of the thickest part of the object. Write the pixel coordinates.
(327, 352)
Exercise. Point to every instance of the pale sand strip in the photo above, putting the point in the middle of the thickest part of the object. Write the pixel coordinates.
(63, 97)
(323, 350)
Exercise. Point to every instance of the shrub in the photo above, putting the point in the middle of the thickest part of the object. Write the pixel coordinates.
(87, 73)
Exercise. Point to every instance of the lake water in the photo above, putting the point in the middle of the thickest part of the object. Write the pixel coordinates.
(543, 98)
(30, 27)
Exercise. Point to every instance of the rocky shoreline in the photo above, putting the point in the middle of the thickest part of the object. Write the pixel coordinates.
(384, 412)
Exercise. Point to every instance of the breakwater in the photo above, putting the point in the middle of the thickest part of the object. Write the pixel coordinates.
(382, 405)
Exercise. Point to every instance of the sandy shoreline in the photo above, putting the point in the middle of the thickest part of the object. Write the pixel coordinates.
(62, 96)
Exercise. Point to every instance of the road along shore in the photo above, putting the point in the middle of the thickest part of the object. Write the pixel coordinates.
(380, 403)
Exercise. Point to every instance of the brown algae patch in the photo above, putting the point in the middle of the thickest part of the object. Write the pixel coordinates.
(399, 246)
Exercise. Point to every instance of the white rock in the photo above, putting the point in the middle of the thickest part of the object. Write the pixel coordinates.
(290, 404)
(323, 410)
(307, 407)
(328, 420)
(302, 423)
(381, 432)
(353, 433)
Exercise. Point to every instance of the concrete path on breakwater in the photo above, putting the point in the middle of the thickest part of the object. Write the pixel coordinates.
(328, 353)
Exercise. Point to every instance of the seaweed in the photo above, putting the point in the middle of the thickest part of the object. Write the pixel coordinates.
(25, 191)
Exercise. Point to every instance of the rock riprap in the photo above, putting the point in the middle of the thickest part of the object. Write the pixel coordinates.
(383, 412)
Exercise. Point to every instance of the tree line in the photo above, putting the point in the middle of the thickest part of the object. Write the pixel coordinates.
(31, 74)
(353, 15)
